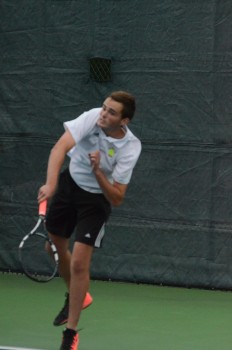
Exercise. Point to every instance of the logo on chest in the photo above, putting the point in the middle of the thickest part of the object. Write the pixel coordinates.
(111, 152)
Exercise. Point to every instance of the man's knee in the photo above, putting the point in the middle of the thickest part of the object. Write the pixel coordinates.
(78, 267)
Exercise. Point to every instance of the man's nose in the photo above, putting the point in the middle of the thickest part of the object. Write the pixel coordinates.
(104, 113)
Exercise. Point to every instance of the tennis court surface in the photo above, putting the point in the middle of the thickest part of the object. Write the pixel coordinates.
(123, 316)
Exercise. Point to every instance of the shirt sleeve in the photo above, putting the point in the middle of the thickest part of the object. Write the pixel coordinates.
(128, 157)
(82, 125)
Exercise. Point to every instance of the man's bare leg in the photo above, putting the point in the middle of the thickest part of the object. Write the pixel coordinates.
(79, 284)
(62, 246)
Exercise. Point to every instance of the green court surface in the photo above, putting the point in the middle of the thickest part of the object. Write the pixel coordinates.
(123, 316)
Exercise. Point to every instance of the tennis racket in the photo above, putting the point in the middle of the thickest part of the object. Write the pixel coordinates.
(37, 263)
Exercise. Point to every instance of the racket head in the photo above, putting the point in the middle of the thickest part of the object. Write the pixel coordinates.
(36, 262)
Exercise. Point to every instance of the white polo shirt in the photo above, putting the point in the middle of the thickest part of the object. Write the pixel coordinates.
(118, 156)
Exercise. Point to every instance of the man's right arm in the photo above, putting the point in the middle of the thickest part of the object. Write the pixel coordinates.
(55, 162)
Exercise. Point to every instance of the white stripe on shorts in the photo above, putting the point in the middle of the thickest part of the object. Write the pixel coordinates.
(100, 235)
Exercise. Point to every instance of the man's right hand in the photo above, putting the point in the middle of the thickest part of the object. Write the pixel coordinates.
(45, 193)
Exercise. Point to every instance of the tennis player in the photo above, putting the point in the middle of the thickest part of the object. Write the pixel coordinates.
(103, 152)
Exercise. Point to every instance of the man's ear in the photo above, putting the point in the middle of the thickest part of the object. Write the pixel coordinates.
(125, 121)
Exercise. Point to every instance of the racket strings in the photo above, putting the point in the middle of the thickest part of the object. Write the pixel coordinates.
(37, 263)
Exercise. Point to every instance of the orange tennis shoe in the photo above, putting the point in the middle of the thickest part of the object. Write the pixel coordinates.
(62, 317)
(70, 340)
(87, 301)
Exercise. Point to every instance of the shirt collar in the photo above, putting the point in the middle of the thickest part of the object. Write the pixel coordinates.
(118, 142)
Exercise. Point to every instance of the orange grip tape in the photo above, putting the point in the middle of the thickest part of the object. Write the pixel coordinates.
(43, 208)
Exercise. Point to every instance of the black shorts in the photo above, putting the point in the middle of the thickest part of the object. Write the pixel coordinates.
(74, 208)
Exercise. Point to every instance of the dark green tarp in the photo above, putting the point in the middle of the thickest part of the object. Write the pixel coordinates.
(176, 58)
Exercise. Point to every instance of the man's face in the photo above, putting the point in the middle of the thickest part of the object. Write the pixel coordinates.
(111, 116)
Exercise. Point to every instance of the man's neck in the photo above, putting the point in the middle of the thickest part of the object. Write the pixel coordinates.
(118, 133)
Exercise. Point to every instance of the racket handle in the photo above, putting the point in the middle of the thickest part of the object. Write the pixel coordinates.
(43, 208)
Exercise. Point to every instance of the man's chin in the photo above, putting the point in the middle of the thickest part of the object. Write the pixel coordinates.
(101, 125)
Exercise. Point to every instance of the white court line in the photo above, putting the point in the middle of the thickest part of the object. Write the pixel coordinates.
(2, 347)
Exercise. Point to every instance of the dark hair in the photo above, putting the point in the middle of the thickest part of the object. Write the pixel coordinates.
(128, 102)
